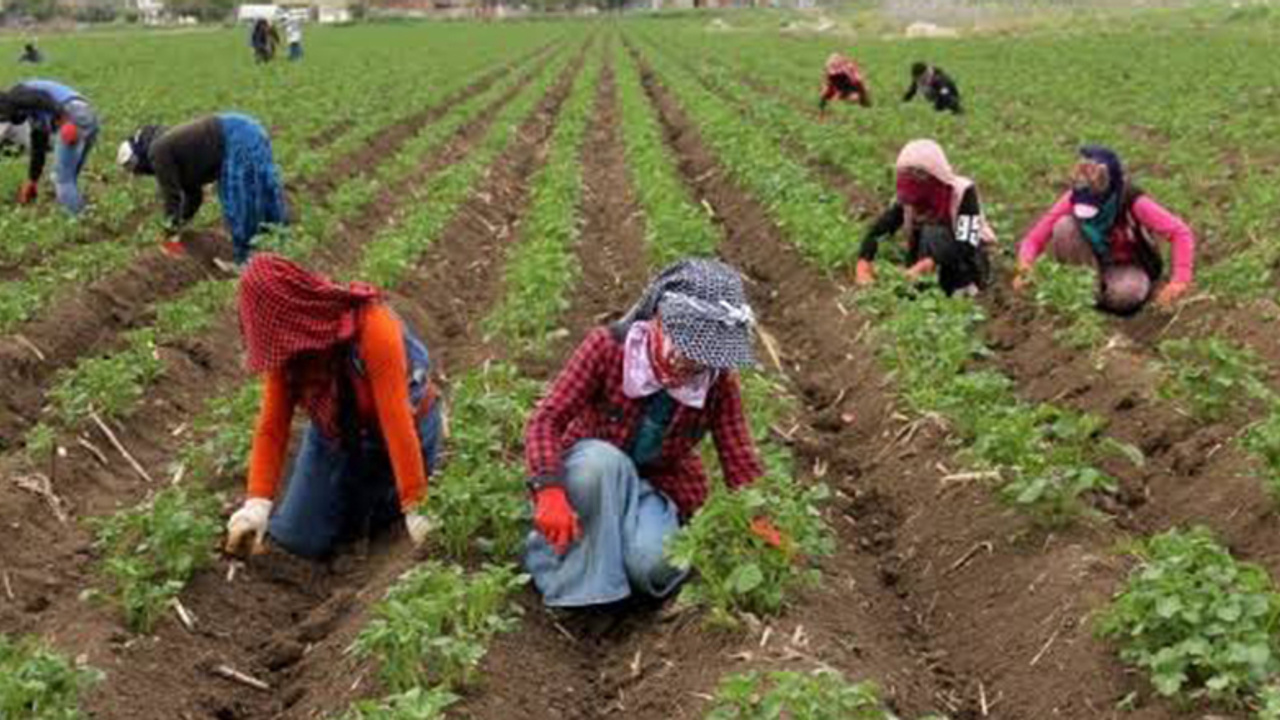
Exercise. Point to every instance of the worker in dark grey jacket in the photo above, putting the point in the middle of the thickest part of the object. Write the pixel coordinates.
(230, 149)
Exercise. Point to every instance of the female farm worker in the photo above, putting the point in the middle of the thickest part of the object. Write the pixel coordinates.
(1106, 222)
(843, 80)
(230, 149)
(611, 451)
(939, 213)
(59, 117)
(361, 375)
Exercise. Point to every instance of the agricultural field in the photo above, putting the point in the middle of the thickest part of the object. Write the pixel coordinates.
(1006, 507)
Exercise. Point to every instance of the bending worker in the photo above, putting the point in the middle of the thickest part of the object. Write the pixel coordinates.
(229, 149)
(59, 117)
(1107, 223)
(612, 450)
(843, 80)
(937, 87)
(362, 376)
(941, 218)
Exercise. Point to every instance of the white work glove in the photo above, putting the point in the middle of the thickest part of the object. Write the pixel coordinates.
(419, 527)
(250, 521)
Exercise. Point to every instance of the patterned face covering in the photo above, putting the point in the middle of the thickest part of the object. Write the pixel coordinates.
(705, 314)
(1098, 209)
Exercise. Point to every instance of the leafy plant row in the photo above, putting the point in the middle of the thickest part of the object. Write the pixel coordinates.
(820, 695)
(675, 227)
(542, 269)
(37, 683)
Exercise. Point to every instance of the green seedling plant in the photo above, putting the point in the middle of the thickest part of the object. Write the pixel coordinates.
(1201, 623)
(414, 704)
(1210, 376)
(37, 683)
(1263, 440)
(820, 695)
(147, 554)
(479, 502)
(111, 386)
(1070, 293)
(434, 626)
(221, 437)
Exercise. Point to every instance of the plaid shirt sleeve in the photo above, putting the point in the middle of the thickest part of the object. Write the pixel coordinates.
(577, 383)
(737, 451)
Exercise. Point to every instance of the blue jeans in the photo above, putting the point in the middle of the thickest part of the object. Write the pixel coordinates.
(625, 523)
(68, 160)
(334, 497)
(295, 51)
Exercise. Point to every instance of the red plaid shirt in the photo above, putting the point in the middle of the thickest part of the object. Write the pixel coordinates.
(586, 401)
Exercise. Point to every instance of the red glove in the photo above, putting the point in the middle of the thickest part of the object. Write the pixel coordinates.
(554, 517)
(28, 192)
(864, 273)
(69, 133)
(763, 529)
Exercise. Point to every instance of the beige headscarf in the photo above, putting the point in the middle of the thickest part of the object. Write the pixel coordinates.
(927, 155)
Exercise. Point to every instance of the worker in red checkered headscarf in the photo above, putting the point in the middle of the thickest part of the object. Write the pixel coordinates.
(362, 376)
(844, 81)
(612, 450)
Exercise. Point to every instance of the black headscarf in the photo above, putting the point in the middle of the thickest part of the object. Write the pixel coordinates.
(140, 142)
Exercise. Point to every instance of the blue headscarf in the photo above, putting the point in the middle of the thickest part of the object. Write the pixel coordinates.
(1098, 212)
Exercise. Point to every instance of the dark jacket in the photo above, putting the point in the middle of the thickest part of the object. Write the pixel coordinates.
(22, 104)
(961, 261)
(185, 159)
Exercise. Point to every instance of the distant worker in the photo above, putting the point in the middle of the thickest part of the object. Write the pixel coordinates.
(844, 81)
(941, 217)
(611, 451)
(57, 117)
(293, 35)
(362, 376)
(264, 39)
(1106, 222)
(937, 86)
(30, 55)
(230, 149)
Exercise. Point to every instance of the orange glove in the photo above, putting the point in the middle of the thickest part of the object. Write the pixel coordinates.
(864, 273)
(28, 192)
(924, 267)
(763, 529)
(1171, 293)
(69, 133)
(1022, 277)
(554, 517)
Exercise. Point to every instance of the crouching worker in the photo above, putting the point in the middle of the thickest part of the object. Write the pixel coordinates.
(229, 149)
(938, 88)
(362, 377)
(612, 450)
(939, 213)
(844, 81)
(58, 118)
(1105, 222)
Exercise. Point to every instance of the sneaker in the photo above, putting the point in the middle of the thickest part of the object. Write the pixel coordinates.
(229, 268)
(172, 248)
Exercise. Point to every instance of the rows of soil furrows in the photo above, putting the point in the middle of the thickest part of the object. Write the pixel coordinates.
(1033, 591)
(167, 676)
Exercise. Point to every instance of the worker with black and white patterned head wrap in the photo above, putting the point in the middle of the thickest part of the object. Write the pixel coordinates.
(612, 450)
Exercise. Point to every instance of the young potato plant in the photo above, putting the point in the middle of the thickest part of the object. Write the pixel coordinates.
(738, 571)
(149, 553)
(413, 704)
(1210, 376)
(222, 435)
(479, 502)
(37, 683)
(820, 695)
(111, 386)
(435, 624)
(1070, 293)
(1200, 622)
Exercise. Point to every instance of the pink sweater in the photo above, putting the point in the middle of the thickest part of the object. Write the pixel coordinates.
(1154, 219)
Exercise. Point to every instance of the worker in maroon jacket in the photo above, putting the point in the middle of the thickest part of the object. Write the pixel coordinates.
(611, 450)
(843, 80)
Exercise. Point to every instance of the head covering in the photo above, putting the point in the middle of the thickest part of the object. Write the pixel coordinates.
(838, 64)
(928, 194)
(927, 156)
(137, 157)
(918, 69)
(286, 311)
(1097, 212)
(704, 312)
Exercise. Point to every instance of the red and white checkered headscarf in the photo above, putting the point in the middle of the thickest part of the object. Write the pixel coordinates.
(838, 64)
(286, 311)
